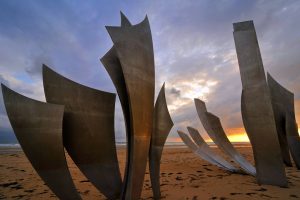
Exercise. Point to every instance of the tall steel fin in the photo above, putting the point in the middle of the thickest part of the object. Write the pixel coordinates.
(257, 111)
(112, 65)
(162, 125)
(134, 48)
(293, 139)
(284, 112)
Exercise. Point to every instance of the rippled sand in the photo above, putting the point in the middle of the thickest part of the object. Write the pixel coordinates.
(183, 176)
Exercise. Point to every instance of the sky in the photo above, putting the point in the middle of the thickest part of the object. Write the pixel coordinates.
(193, 48)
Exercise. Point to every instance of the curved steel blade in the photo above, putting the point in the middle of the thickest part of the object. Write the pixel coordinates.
(88, 132)
(198, 151)
(134, 48)
(38, 128)
(162, 126)
(284, 112)
(257, 111)
(213, 127)
(202, 144)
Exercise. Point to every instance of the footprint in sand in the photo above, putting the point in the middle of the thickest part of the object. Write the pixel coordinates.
(235, 193)
(261, 190)
(86, 192)
(29, 191)
(8, 184)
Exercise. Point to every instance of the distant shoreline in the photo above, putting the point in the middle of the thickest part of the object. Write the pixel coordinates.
(17, 147)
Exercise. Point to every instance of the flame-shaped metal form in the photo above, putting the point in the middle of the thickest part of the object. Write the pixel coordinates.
(293, 139)
(257, 112)
(89, 115)
(162, 126)
(213, 127)
(203, 145)
(113, 66)
(88, 130)
(284, 112)
(134, 49)
(38, 128)
(199, 151)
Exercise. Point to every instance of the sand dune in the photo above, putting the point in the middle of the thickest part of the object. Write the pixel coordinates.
(183, 176)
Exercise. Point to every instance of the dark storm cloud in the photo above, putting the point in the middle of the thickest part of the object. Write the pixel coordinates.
(175, 92)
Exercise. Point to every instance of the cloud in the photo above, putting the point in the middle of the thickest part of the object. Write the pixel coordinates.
(174, 91)
(193, 46)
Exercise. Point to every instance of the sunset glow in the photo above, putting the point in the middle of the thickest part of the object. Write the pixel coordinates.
(233, 134)
(174, 139)
(242, 137)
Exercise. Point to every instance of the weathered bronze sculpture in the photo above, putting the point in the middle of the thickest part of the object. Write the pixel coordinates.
(38, 127)
(257, 112)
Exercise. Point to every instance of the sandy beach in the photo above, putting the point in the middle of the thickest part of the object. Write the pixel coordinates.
(184, 176)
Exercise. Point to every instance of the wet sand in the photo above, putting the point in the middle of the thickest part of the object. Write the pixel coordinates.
(184, 176)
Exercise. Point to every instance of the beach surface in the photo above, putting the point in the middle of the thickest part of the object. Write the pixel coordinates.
(184, 176)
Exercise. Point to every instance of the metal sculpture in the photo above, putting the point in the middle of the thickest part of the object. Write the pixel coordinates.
(124, 20)
(88, 125)
(203, 145)
(38, 128)
(162, 126)
(113, 66)
(88, 120)
(213, 127)
(284, 113)
(293, 139)
(197, 150)
(134, 50)
(257, 112)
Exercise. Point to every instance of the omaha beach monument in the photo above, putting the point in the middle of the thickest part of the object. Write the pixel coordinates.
(81, 120)
(268, 115)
